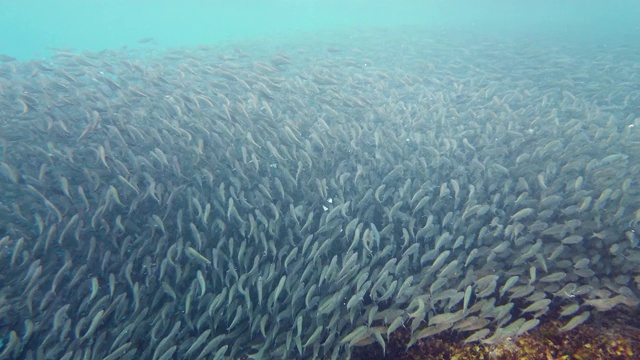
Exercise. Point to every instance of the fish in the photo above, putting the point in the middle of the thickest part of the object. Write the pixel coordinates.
(575, 321)
(221, 202)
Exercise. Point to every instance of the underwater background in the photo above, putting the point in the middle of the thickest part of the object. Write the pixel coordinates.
(29, 28)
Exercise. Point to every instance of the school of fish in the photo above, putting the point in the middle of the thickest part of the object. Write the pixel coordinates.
(298, 202)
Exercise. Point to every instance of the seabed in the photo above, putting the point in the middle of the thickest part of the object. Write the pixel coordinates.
(613, 335)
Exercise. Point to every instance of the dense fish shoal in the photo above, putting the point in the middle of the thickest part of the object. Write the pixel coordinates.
(302, 201)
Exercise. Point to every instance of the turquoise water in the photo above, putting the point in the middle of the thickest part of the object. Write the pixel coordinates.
(29, 29)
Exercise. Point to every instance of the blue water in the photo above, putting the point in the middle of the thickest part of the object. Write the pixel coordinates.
(30, 29)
